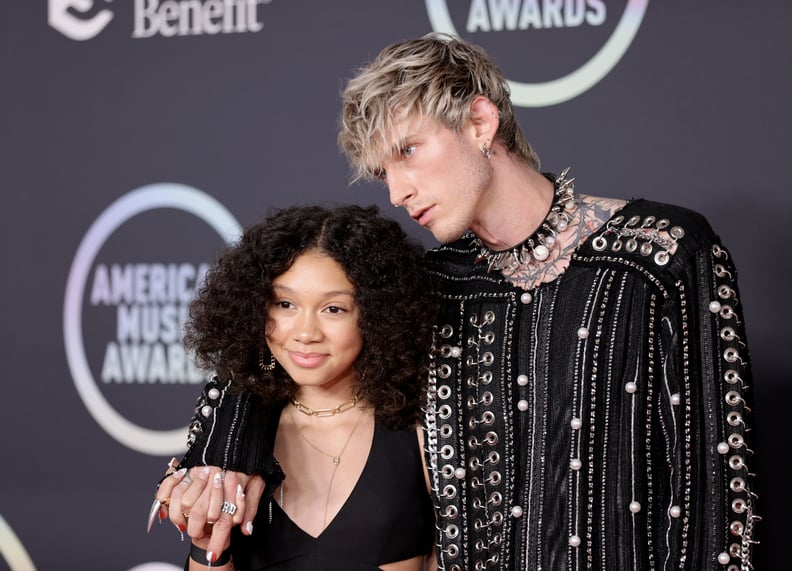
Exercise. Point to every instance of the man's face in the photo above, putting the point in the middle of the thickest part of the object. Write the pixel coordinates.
(438, 175)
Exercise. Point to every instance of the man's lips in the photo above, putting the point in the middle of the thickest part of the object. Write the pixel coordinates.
(307, 360)
(423, 215)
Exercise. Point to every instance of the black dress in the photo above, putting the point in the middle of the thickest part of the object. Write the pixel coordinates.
(388, 517)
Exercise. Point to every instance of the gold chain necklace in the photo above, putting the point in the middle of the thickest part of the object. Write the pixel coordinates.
(335, 458)
(343, 407)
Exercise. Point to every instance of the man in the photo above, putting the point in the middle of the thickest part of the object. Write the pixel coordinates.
(589, 400)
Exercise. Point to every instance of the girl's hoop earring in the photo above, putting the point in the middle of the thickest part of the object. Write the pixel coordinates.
(266, 368)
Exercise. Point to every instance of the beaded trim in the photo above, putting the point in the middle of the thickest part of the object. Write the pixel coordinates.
(536, 247)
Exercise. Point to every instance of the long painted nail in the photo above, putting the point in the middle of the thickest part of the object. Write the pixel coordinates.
(249, 527)
(240, 492)
(210, 556)
(218, 480)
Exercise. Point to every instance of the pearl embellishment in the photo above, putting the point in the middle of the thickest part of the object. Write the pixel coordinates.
(723, 448)
(526, 298)
(576, 424)
(635, 507)
(574, 540)
(714, 306)
(522, 380)
(631, 387)
(522, 405)
(723, 558)
(456, 352)
(206, 410)
(675, 400)
(575, 464)
(459, 473)
(675, 511)
(214, 394)
(516, 511)
(583, 333)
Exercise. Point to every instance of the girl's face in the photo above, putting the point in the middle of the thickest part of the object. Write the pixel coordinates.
(313, 323)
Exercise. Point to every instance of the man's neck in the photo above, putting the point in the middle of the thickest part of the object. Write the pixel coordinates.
(514, 206)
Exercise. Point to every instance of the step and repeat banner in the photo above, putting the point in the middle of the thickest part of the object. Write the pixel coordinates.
(140, 136)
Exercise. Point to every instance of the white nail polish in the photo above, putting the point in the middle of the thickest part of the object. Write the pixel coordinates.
(218, 480)
(209, 556)
(249, 527)
(240, 492)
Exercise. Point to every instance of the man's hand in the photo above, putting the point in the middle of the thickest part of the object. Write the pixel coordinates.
(207, 502)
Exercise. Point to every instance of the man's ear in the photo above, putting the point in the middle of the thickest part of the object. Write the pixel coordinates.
(484, 120)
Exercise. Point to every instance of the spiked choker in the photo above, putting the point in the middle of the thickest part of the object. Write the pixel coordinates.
(536, 248)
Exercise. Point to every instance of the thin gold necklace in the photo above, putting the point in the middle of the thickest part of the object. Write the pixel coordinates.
(336, 459)
(343, 407)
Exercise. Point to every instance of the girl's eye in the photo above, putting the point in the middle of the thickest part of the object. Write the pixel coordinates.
(282, 304)
(335, 309)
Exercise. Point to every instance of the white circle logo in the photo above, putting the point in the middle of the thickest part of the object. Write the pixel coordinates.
(155, 196)
(574, 83)
(12, 549)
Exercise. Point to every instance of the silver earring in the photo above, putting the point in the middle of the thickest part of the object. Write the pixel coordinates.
(266, 368)
(486, 150)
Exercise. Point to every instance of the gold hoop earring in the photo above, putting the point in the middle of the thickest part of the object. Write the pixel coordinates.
(266, 368)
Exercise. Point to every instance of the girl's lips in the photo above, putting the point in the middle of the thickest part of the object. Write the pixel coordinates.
(307, 360)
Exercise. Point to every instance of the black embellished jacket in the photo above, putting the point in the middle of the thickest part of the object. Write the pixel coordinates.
(596, 422)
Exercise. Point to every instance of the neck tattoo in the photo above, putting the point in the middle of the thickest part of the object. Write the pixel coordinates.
(536, 248)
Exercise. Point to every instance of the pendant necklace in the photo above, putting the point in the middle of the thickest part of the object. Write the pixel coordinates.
(335, 458)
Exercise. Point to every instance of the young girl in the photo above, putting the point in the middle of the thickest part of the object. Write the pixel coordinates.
(323, 318)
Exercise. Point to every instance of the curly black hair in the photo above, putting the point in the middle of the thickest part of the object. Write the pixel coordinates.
(393, 291)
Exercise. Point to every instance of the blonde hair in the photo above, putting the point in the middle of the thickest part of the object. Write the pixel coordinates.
(436, 76)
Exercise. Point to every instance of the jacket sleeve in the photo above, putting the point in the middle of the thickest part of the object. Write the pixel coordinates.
(228, 430)
(706, 360)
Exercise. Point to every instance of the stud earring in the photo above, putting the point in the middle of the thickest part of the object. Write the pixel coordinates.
(486, 150)
(266, 368)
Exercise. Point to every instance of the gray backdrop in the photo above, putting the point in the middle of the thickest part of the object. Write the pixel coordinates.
(131, 151)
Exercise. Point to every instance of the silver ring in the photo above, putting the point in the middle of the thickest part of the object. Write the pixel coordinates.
(228, 508)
